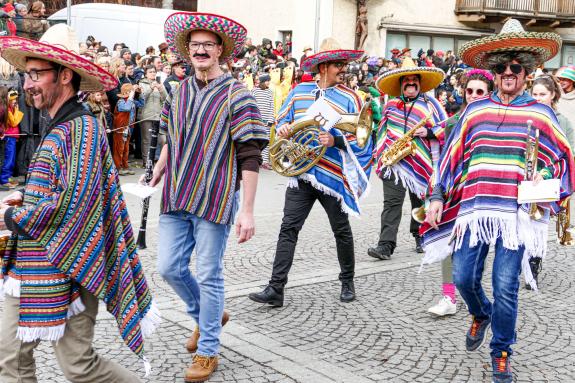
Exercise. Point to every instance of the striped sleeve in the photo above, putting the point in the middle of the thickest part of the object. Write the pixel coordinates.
(246, 121)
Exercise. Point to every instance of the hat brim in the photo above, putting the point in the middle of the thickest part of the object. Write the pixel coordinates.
(16, 50)
(310, 63)
(543, 45)
(430, 78)
(179, 25)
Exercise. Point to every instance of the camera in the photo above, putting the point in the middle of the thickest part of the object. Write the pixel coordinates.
(354, 67)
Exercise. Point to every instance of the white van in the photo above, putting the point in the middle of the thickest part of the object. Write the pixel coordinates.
(137, 27)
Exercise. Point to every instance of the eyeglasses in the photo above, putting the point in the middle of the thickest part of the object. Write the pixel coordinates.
(470, 91)
(34, 74)
(339, 64)
(207, 45)
(501, 68)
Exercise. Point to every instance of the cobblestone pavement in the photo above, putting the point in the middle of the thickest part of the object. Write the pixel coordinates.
(386, 335)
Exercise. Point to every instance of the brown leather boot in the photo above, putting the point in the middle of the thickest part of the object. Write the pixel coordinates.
(192, 342)
(201, 369)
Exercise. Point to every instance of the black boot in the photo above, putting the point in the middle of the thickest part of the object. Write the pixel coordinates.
(347, 291)
(535, 266)
(270, 296)
(418, 244)
(382, 252)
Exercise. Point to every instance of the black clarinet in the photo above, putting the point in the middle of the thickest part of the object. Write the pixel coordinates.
(141, 241)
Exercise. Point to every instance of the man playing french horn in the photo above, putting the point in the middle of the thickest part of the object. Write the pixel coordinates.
(337, 180)
(406, 136)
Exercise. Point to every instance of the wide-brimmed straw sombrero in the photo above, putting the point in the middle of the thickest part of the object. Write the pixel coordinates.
(330, 50)
(512, 38)
(430, 78)
(179, 25)
(59, 45)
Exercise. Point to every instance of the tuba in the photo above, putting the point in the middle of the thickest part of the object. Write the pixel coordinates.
(402, 147)
(564, 232)
(301, 150)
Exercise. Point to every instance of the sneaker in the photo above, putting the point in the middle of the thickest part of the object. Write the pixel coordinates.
(130, 171)
(536, 266)
(201, 369)
(445, 306)
(7, 186)
(382, 252)
(476, 335)
(122, 172)
(501, 368)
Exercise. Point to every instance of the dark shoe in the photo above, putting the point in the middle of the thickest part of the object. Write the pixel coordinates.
(201, 369)
(382, 252)
(501, 368)
(192, 342)
(270, 296)
(476, 335)
(536, 266)
(347, 291)
(418, 245)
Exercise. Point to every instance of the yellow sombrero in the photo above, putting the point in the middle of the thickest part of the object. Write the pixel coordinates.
(430, 78)
(512, 38)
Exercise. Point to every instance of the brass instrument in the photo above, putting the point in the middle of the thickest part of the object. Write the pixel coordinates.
(402, 147)
(418, 214)
(531, 154)
(301, 150)
(564, 232)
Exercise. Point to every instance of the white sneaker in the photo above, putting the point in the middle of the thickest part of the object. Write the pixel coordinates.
(444, 307)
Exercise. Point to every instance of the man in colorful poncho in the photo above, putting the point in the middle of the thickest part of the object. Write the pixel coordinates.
(72, 243)
(412, 173)
(214, 140)
(338, 180)
(474, 204)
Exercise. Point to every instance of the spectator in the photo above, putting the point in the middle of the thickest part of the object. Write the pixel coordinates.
(95, 105)
(154, 94)
(307, 51)
(163, 48)
(124, 116)
(279, 51)
(34, 24)
(13, 118)
(265, 101)
(126, 54)
(9, 12)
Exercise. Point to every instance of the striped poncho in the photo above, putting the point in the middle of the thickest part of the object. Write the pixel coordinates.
(414, 171)
(201, 167)
(343, 174)
(74, 230)
(481, 166)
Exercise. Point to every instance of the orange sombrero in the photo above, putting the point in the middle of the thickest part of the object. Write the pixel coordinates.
(512, 38)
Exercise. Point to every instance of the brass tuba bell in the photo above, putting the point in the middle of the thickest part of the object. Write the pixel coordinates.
(418, 214)
(564, 231)
(301, 150)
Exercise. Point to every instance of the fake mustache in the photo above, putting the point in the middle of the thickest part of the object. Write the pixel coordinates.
(205, 55)
(411, 84)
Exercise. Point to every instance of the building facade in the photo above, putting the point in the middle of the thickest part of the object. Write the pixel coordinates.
(416, 24)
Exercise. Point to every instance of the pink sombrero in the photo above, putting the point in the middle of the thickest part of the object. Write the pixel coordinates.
(512, 38)
(59, 44)
(329, 51)
(179, 25)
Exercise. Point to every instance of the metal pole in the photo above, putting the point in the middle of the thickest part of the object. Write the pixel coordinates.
(69, 17)
(316, 37)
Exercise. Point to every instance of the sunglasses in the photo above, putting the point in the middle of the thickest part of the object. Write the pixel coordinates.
(501, 68)
(339, 64)
(470, 91)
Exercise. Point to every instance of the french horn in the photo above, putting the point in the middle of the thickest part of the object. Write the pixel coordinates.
(301, 150)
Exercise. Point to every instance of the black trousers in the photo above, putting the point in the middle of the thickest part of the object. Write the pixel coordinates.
(298, 204)
(393, 196)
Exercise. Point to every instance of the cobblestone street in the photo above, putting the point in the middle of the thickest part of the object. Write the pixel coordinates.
(386, 335)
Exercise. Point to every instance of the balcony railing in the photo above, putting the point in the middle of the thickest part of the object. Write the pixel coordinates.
(548, 9)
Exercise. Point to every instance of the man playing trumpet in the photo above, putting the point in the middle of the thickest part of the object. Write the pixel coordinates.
(475, 200)
(407, 121)
(338, 179)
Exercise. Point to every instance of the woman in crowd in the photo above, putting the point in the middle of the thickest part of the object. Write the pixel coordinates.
(476, 83)
(154, 95)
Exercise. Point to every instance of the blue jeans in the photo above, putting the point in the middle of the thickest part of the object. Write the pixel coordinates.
(181, 233)
(9, 159)
(468, 264)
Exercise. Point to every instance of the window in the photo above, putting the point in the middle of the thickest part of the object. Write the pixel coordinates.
(394, 41)
(418, 42)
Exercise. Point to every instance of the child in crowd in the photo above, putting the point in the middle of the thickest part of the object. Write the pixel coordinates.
(13, 117)
(124, 115)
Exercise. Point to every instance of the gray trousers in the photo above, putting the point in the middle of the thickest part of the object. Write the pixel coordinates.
(393, 196)
(145, 136)
(76, 357)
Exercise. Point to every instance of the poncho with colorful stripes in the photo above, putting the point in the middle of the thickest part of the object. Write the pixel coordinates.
(73, 230)
(202, 162)
(398, 117)
(481, 166)
(343, 174)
